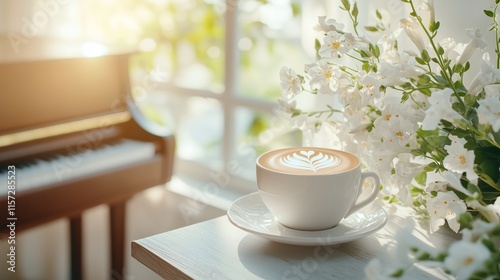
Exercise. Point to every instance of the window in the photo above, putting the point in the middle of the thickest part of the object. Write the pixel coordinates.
(209, 69)
(215, 69)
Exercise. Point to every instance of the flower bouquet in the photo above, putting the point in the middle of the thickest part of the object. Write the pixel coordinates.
(408, 112)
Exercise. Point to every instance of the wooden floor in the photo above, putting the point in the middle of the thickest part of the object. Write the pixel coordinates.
(43, 253)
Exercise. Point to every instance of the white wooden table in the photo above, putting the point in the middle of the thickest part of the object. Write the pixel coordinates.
(216, 249)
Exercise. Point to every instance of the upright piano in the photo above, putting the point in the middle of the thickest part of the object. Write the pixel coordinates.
(71, 138)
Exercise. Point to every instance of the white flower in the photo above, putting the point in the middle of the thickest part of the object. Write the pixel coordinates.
(287, 106)
(453, 180)
(477, 41)
(290, 82)
(323, 74)
(496, 206)
(395, 68)
(326, 25)
(388, 47)
(459, 159)
(465, 258)
(480, 229)
(449, 46)
(374, 270)
(408, 246)
(489, 112)
(491, 212)
(335, 44)
(406, 169)
(352, 100)
(412, 29)
(395, 134)
(440, 108)
(371, 84)
(488, 75)
(445, 206)
(493, 90)
(299, 122)
(429, 5)
(395, 126)
(381, 161)
(436, 187)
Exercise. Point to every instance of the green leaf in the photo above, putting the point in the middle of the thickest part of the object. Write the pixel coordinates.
(472, 188)
(418, 152)
(425, 55)
(490, 167)
(490, 197)
(440, 50)
(405, 96)
(457, 68)
(496, 231)
(416, 191)
(355, 10)
(317, 45)
(364, 54)
(346, 5)
(420, 61)
(371, 28)
(489, 244)
(462, 133)
(433, 27)
(421, 178)
(375, 50)
(425, 256)
(431, 167)
(425, 91)
(366, 67)
(398, 273)
(489, 13)
(441, 257)
(440, 79)
(423, 79)
(465, 220)
(467, 66)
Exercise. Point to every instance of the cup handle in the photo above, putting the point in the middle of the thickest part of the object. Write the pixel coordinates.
(371, 197)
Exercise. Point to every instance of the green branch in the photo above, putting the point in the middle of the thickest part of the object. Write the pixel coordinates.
(440, 61)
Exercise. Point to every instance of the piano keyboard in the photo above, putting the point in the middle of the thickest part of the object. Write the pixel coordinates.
(59, 168)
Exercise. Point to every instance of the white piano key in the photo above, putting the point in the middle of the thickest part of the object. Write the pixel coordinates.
(60, 168)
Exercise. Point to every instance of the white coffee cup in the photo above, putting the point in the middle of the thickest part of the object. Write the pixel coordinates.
(311, 188)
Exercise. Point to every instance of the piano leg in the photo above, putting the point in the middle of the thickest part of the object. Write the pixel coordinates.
(117, 220)
(76, 247)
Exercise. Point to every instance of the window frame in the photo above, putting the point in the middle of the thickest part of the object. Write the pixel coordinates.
(224, 180)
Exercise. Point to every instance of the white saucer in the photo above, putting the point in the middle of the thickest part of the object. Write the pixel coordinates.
(250, 214)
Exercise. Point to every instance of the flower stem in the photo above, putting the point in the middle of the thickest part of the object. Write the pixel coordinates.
(439, 57)
(438, 150)
(481, 136)
(495, 27)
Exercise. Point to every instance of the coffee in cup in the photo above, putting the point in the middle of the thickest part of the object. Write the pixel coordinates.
(312, 188)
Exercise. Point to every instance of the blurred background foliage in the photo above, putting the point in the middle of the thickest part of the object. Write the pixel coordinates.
(182, 44)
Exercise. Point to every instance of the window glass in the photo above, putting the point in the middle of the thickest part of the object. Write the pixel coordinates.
(268, 38)
(257, 132)
(182, 38)
(200, 128)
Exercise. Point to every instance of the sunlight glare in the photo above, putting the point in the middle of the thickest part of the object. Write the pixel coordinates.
(147, 45)
(93, 49)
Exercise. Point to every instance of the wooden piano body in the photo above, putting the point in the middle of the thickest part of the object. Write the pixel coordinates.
(71, 106)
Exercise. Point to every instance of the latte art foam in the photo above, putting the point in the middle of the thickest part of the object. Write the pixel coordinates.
(308, 161)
